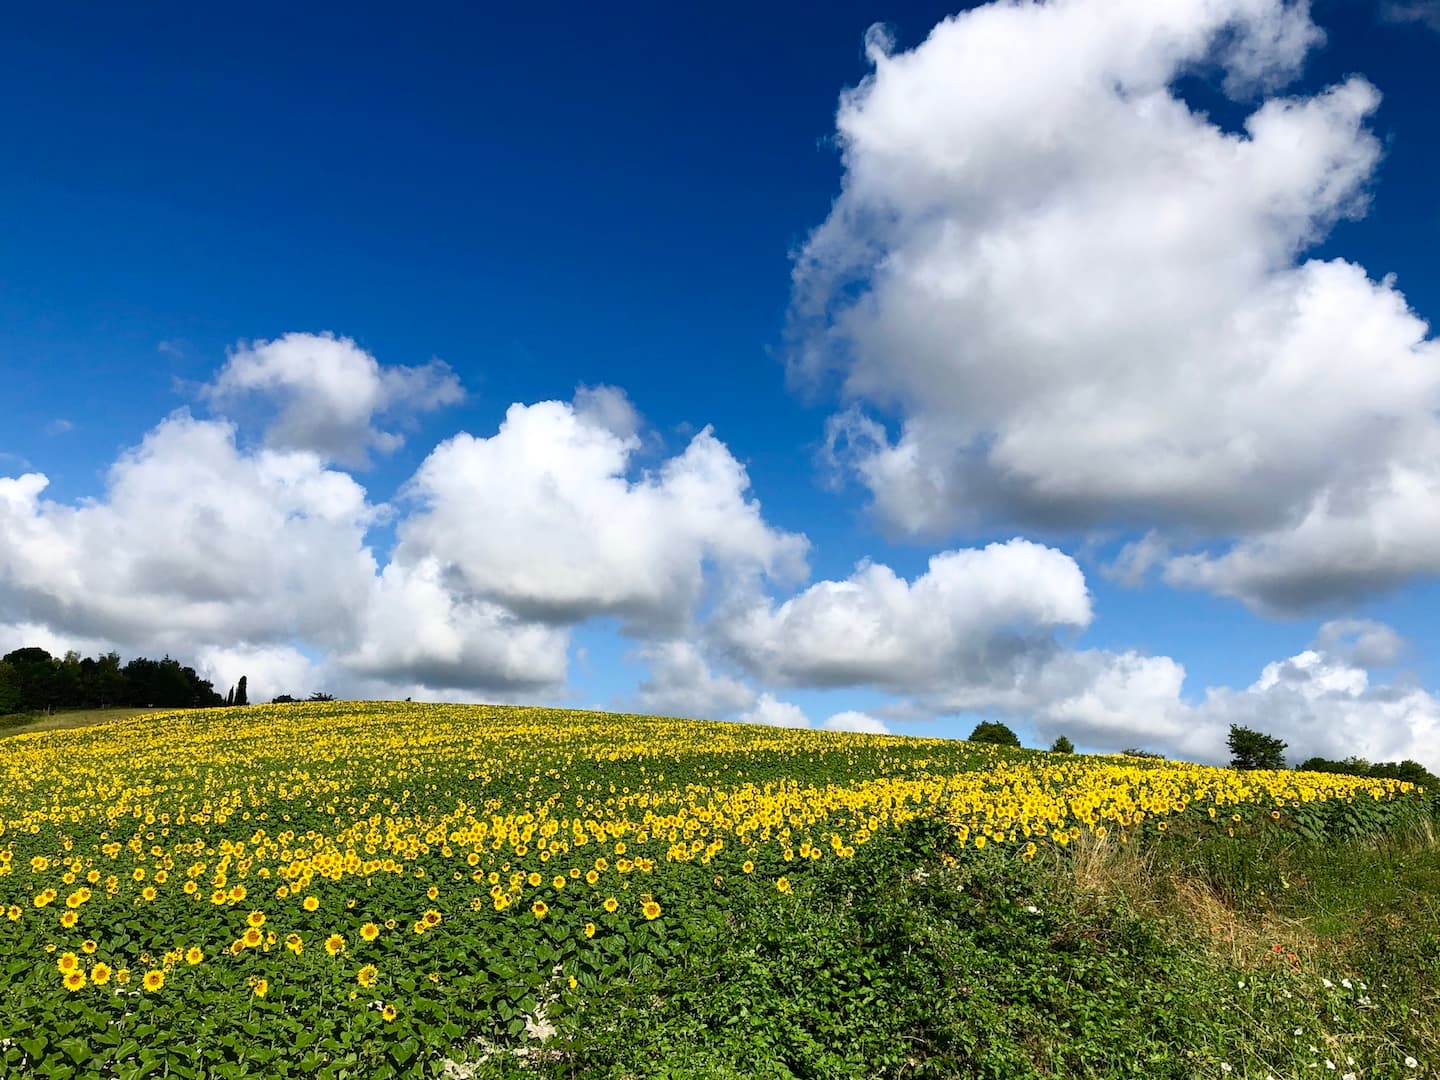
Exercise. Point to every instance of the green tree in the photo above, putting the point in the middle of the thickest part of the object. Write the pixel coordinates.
(1408, 769)
(1251, 749)
(37, 673)
(1062, 745)
(240, 698)
(997, 734)
(10, 696)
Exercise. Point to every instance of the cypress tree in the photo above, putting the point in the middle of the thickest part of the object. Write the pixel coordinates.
(240, 692)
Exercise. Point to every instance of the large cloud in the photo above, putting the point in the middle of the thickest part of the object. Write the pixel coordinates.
(971, 616)
(981, 632)
(978, 631)
(329, 393)
(269, 670)
(418, 630)
(228, 558)
(257, 561)
(541, 518)
(1083, 300)
(681, 683)
(1323, 705)
(194, 542)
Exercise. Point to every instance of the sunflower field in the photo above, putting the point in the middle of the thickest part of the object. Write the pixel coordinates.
(380, 889)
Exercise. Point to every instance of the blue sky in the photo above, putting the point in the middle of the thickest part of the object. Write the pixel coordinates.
(1033, 301)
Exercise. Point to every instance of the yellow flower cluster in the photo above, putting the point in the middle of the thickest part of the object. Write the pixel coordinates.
(488, 808)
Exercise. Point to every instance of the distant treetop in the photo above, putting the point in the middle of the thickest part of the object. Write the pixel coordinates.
(995, 733)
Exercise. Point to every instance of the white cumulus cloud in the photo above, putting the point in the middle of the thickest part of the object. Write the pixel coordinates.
(1080, 302)
(1323, 705)
(269, 670)
(972, 615)
(194, 541)
(771, 712)
(419, 630)
(681, 683)
(330, 394)
(542, 518)
(851, 720)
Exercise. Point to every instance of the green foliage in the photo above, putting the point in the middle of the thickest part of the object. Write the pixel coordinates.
(241, 698)
(1251, 749)
(31, 680)
(917, 959)
(1062, 745)
(919, 956)
(913, 959)
(994, 733)
(1137, 752)
(11, 696)
(1408, 770)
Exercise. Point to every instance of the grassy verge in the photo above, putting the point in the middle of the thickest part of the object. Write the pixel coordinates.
(27, 723)
(1227, 957)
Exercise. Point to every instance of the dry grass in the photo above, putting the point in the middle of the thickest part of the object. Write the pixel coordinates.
(62, 721)
(1248, 940)
(1102, 869)
(1098, 869)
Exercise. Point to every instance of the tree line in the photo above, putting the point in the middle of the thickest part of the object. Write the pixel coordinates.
(1249, 749)
(31, 680)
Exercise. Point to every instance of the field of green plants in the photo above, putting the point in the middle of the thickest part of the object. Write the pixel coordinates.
(366, 890)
